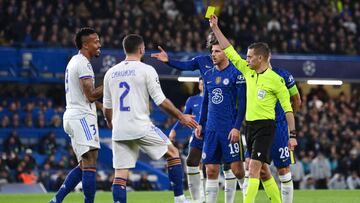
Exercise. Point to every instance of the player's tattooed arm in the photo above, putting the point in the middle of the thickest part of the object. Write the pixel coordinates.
(291, 124)
(92, 94)
(296, 102)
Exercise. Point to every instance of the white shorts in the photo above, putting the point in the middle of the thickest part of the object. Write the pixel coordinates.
(84, 134)
(125, 152)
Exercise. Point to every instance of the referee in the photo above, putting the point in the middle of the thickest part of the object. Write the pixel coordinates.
(264, 88)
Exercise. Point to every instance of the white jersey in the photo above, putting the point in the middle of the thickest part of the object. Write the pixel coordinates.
(127, 87)
(77, 105)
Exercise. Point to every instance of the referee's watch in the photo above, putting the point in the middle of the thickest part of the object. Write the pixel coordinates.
(292, 134)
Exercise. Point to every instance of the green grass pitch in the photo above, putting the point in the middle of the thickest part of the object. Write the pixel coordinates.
(301, 196)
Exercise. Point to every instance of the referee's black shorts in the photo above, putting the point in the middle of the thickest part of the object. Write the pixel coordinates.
(259, 138)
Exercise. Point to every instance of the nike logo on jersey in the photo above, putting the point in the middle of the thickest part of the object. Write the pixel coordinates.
(195, 105)
(208, 82)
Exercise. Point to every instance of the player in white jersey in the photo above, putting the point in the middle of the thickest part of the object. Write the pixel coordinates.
(80, 118)
(128, 87)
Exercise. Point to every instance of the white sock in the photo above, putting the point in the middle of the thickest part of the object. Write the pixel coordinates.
(202, 186)
(245, 183)
(194, 183)
(180, 199)
(230, 186)
(287, 188)
(212, 189)
(241, 182)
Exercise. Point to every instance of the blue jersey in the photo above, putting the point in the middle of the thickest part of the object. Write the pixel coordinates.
(202, 63)
(290, 84)
(224, 99)
(192, 106)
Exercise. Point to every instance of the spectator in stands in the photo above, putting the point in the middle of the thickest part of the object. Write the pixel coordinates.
(5, 122)
(315, 27)
(320, 171)
(59, 179)
(13, 109)
(41, 123)
(56, 122)
(44, 178)
(4, 170)
(353, 181)
(308, 183)
(100, 184)
(28, 121)
(144, 183)
(12, 160)
(29, 160)
(337, 182)
(28, 177)
(15, 121)
(48, 144)
(12, 143)
(51, 161)
(297, 172)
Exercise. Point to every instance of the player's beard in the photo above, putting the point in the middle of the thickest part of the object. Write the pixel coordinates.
(142, 58)
(97, 54)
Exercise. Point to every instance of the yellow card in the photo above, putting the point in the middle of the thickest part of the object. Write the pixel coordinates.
(210, 11)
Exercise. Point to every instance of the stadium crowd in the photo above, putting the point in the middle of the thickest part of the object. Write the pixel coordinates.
(328, 154)
(301, 26)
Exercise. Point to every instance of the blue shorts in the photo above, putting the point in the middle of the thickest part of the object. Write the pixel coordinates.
(218, 148)
(196, 143)
(280, 153)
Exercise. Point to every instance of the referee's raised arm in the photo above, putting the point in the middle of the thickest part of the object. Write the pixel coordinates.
(224, 43)
(263, 89)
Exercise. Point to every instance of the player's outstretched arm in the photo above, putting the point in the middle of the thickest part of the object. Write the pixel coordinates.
(187, 110)
(92, 94)
(161, 56)
(185, 119)
(180, 65)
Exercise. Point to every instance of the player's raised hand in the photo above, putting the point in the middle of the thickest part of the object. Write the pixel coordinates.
(161, 56)
(234, 135)
(188, 120)
(292, 143)
(198, 130)
(213, 20)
